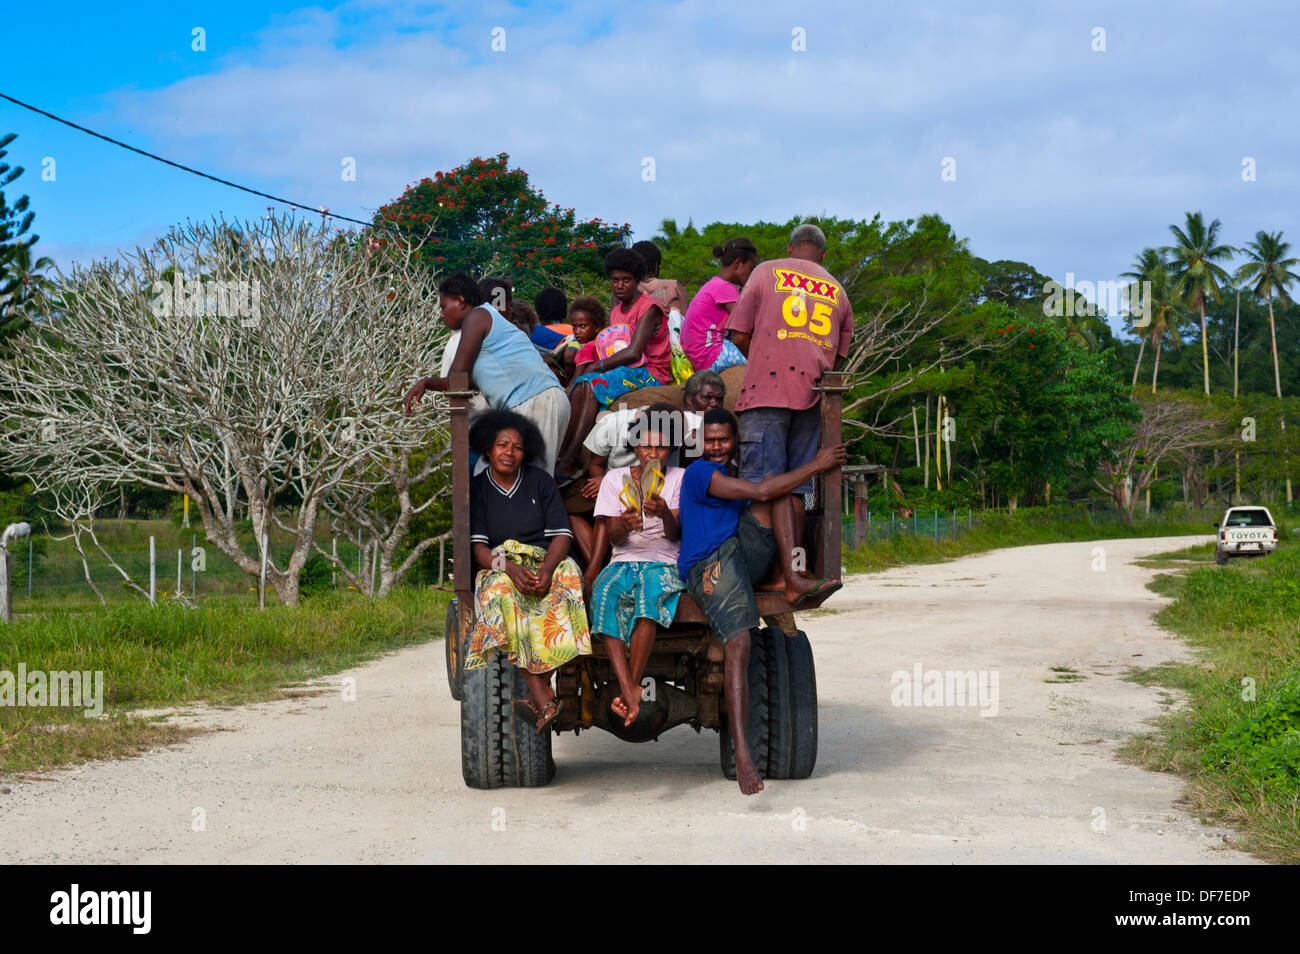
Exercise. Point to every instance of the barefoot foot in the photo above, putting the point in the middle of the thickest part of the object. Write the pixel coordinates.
(747, 778)
(627, 704)
(627, 711)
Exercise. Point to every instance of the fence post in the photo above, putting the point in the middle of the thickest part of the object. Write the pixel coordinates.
(334, 573)
(892, 518)
(868, 524)
(180, 579)
(153, 573)
(913, 523)
(194, 574)
(936, 524)
(442, 559)
(954, 523)
(6, 595)
(968, 518)
(29, 569)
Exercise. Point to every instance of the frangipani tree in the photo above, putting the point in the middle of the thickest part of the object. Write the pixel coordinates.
(1168, 429)
(257, 366)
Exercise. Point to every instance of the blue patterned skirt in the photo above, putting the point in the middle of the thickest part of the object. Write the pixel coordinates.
(627, 591)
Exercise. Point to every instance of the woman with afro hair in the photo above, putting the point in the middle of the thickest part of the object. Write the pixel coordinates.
(528, 591)
(622, 371)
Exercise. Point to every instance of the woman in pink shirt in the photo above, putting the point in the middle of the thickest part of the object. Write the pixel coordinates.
(616, 374)
(704, 334)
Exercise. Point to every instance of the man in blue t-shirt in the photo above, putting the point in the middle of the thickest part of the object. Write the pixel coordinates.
(725, 551)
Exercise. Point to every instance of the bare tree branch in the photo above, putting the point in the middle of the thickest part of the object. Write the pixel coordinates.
(252, 366)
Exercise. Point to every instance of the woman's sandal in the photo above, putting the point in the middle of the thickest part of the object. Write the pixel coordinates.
(554, 707)
(525, 710)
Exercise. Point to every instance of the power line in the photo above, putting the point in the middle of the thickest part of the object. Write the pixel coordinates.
(395, 229)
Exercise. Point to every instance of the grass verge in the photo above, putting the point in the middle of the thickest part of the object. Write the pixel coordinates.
(222, 653)
(1238, 741)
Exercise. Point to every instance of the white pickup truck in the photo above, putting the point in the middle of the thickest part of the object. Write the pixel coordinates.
(1245, 531)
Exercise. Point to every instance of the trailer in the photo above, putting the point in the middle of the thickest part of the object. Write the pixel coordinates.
(683, 682)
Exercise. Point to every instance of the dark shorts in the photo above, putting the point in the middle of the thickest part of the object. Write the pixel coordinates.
(723, 582)
(777, 440)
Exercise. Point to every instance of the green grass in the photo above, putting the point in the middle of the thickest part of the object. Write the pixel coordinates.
(994, 531)
(222, 652)
(1065, 674)
(1240, 755)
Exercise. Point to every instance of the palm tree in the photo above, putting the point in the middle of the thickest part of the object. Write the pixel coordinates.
(1198, 276)
(21, 279)
(1142, 268)
(1165, 317)
(1159, 302)
(1081, 327)
(1267, 273)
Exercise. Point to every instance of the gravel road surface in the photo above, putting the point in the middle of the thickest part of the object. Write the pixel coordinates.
(320, 779)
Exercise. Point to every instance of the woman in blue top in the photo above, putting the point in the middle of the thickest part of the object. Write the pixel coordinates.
(502, 363)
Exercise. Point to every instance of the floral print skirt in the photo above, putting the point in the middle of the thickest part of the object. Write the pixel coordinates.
(538, 633)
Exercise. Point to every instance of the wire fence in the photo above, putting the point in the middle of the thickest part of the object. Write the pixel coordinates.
(866, 527)
(48, 573)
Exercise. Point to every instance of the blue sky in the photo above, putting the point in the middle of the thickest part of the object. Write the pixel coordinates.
(1068, 158)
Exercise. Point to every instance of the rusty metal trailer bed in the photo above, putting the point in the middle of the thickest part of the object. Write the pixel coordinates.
(683, 682)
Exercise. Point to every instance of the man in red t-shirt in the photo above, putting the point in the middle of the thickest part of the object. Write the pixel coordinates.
(793, 322)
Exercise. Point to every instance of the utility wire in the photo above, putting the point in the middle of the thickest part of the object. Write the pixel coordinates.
(399, 230)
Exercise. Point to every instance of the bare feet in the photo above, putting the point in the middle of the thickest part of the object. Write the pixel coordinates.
(747, 777)
(627, 710)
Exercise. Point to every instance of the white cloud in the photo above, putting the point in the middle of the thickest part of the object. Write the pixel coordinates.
(1069, 159)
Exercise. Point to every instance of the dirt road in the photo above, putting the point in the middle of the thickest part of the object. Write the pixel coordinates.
(321, 779)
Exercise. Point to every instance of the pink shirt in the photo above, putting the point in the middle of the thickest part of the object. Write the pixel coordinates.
(586, 354)
(647, 545)
(799, 319)
(659, 349)
(705, 327)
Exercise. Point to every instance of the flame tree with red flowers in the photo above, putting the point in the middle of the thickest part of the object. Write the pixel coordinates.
(484, 218)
